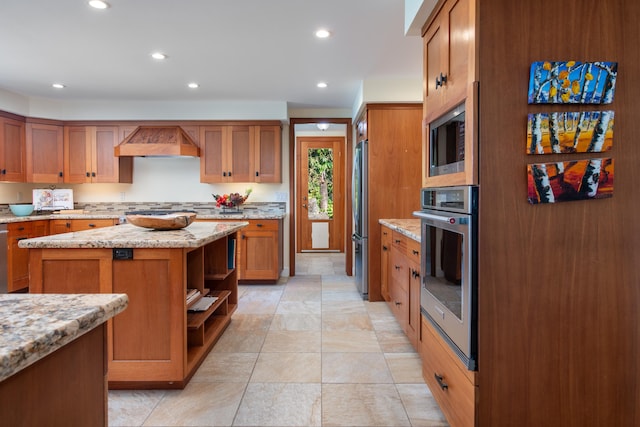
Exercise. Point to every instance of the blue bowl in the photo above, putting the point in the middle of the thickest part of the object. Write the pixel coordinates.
(21, 210)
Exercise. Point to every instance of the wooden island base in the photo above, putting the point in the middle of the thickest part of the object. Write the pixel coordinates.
(156, 342)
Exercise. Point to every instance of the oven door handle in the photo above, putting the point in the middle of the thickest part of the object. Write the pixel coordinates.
(442, 218)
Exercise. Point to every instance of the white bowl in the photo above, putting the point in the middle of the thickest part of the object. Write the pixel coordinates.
(23, 209)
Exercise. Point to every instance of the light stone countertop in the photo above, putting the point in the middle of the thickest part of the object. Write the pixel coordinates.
(35, 325)
(407, 227)
(130, 236)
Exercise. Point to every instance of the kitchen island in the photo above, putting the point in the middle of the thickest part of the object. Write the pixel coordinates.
(157, 342)
(53, 352)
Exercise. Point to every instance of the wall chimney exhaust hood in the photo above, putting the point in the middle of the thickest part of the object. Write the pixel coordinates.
(157, 141)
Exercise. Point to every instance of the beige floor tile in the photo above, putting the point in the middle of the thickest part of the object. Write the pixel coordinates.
(259, 302)
(347, 322)
(132, 407)
(240, 342)
(350, 341)
(329, 296)
(226, 367)
(278, 404)
(362, 405)
(302, 293)
(420, 405)
(199, 404)
(406, 368)
(296, 322)
(299, 307)
(395, 341)
(287, 368)
(250, 322)
(343, 307)
(292, 341)
(366, 368)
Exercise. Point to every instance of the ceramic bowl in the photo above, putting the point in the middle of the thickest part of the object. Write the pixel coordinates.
(161, 220)
(21, 209)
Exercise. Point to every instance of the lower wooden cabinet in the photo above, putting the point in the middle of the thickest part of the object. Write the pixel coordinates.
(403, 277)
(452, 385)
(385, 251)
(58, 226)
(18, 258)
(260, 250)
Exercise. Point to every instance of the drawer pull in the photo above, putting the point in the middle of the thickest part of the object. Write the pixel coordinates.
(384, 248)
(415, 274)
(398, 303)
(415, 252)
(398, 240)
(441, 382)
(397, 267)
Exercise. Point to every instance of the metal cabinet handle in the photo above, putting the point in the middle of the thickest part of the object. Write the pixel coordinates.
(384, 248)
(398, 240)
(441, 382)
(397, 267)
(257, 173)
(415, 252)
(441, 80)
(259, 225)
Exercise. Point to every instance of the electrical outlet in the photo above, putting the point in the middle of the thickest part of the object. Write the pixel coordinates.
(122, 194)
(281, 196)
(19, 196)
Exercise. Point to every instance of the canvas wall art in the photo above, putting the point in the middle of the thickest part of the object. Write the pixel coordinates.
(570, 180)
(570, 132)
(571, 82)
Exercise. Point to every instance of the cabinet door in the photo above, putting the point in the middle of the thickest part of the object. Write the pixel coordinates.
(77, 155)
(385, 250)
(45, 161)
(89, 224)
(434, 65)
(268, 154)
(58, 226)
(12, 150)
(213, 166)
(258, 251)
(17, 258)
(240, 155)
(413, 318)
(105, 166)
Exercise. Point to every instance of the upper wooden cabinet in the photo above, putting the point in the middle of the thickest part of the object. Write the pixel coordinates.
(88, 156)
(12, 150)
(240, 153)
(448, 57)
(44, 148)
(268, 154)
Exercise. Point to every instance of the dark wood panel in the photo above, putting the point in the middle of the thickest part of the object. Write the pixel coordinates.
(559, 295)
(76, 276)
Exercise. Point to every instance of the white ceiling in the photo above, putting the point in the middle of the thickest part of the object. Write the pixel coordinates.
(246, 50)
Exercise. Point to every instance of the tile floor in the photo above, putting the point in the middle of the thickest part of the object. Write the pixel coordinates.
(304, 352)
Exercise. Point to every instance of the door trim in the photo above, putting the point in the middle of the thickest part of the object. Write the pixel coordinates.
(348, 222)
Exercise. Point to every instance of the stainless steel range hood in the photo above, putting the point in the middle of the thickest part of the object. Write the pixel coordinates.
(157, 141)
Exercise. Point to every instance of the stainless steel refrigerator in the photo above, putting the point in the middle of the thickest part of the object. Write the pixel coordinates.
(359, 198)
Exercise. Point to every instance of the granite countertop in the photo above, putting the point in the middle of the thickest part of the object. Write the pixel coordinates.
(407, 227)
(130, 236)
(203, 211)
(35, 325)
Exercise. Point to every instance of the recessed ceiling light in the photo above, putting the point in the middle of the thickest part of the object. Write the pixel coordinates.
(58, 85)
(98, 4)
(193, 85)
(322, 34)
(322, 85)
(158, 55)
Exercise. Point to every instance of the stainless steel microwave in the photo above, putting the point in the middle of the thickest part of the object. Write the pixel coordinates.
(446, 142)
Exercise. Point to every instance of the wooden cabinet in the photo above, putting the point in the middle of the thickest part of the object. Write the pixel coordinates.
(448, 57)
(89, 158)
(57, 226)
(12, 150)
(385, 251)
(44, 151)
(452, 385)
(156, 342)
(268, 154)
(395, 170)
(240, 153)
(18, 258)
(260, 251)
(402, 266)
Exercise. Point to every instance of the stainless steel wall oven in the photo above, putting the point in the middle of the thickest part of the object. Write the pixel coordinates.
(448, 299)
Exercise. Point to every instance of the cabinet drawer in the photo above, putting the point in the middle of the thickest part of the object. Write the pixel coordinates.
(453, 389)
(261, 224)
(413, 251)
(385, 236)
(399, 241)
(399, 270)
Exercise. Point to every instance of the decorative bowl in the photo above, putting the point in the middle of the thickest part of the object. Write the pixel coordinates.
(161, 220)
(22, 209)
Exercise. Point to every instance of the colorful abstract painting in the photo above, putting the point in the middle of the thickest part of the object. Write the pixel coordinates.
(570, 132)
(571, 82)
(569, 181)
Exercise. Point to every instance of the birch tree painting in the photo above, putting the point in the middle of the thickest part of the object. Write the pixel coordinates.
(573, 180)
(572, 82)
(570, 132)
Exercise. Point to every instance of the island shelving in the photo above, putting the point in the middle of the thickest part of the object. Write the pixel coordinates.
(157, 342)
